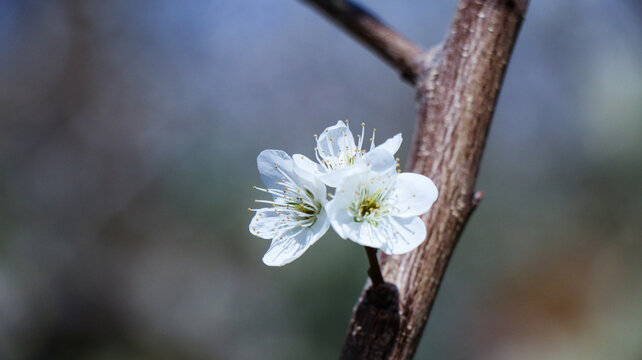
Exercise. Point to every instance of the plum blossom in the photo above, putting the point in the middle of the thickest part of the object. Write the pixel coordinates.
(338, 155)
(373, 204)
(381, 209)
(296, 218)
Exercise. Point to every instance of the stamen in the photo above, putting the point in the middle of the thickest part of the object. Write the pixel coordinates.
(372, 145)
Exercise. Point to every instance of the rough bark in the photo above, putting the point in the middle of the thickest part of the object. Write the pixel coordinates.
(457, 87)
(375, 324)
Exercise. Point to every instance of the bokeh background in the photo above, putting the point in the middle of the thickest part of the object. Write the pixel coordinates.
(128, 137)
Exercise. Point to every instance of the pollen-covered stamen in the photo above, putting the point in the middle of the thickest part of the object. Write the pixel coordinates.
(370, 203)
(336, 153)
(332, 161)
(372, 145)
(363, 129)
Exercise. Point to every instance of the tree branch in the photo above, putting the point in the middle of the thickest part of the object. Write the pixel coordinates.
(457, 87)
(393, 48)
(457, 93)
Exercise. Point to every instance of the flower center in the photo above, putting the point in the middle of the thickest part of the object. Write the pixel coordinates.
(305, 210)
(295, 204)
(332, 155)
(369, 206)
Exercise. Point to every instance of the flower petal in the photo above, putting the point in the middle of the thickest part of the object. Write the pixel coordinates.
(311, 182)
(337, 141)
(367, 234)
(334, 178)
(363, 233)
(320, 227)
(266, 162)
(339, 215)
(391, 145)
(403, 235)
(306, 164)
(265, 223)
(286, 248)
(380, 160)
(413, 194)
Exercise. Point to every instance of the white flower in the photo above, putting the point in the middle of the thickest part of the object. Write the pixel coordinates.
(381, 210)
(296, 218)
(338, 156)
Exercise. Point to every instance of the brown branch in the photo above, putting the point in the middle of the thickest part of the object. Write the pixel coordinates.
(457, 94)
(396, 50)
(457, 87)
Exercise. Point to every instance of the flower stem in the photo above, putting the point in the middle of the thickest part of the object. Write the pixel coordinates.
(374, 271)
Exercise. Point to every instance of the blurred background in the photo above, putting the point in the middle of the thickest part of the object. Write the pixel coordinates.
(128, 140)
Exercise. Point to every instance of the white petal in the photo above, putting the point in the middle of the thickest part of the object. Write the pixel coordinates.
(336, 140)
(367, 234)
(266, 162)
(265, 223)
(334, 178)
(306, 164)
(363, 233)
(413, 194)
(380, 160)
(286, 248)
(391, 145)
(339, 215)
(311, 181)
(320, 227)
(403, 235)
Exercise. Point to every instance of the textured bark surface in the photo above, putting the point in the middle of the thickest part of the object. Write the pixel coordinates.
(457, 87)
(456, 93)
(374, 327)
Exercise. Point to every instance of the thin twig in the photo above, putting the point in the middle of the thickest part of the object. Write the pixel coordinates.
(374, 271)
(395, 49)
